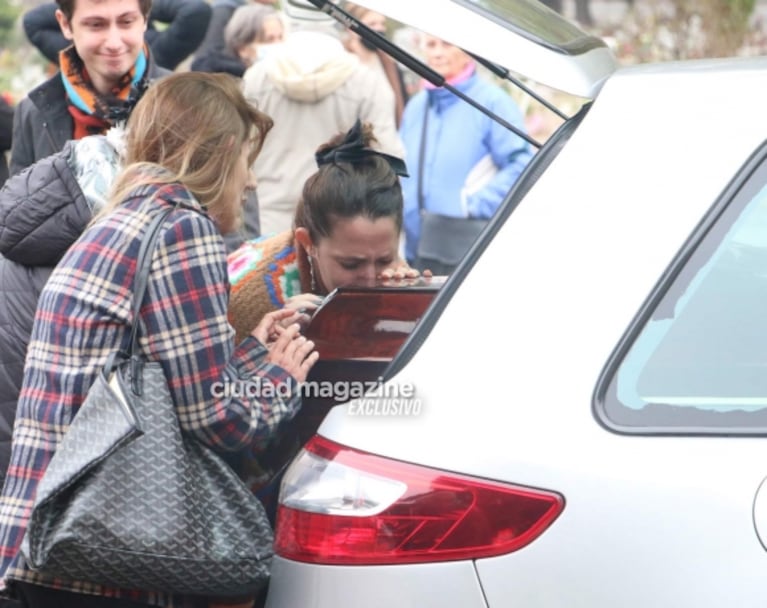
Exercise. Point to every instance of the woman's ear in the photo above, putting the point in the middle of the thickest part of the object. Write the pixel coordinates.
(303, 239)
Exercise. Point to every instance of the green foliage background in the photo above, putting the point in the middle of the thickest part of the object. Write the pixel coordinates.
(10, 41)
(8, 14)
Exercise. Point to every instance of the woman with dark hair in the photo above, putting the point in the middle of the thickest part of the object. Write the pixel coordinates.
(346, 230)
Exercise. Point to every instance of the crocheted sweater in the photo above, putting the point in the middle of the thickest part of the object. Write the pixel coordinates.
(263, 274)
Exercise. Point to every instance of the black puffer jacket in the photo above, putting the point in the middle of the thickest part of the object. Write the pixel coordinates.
(42, 212)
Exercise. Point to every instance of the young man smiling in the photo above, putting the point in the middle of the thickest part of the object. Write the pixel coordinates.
(103, 73)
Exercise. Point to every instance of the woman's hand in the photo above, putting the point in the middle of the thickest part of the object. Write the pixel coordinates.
(401, 270)
(293, 352)
(267, 330)
(287, 347)
(303, 306)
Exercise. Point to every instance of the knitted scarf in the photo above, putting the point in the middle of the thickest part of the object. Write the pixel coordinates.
(263, 274)
(93, 112)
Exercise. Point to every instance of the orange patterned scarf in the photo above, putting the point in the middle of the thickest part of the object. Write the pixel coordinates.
(92, 111)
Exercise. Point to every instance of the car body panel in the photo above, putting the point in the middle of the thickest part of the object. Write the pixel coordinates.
(558, 55)
(421, 586)
(587, 284)
(668, 524)
(507, 375)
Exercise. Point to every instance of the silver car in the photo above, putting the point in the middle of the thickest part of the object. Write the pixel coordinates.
(587, 394)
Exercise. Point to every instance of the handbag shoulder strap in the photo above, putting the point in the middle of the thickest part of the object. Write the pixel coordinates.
(140, 281)
(422, 153)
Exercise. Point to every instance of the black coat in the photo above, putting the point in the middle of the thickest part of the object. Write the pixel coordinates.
(219, 61)
(186, 20)
(42, 212)
(6, 133)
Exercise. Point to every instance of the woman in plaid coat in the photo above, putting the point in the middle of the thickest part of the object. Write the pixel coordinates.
(194, 157)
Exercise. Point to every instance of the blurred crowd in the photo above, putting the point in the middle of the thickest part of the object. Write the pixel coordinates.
(297, 65)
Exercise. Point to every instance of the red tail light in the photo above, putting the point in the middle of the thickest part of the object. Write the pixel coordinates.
(342, 506)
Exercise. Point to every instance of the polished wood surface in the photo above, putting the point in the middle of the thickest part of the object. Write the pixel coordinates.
(357, 330)
(370, 322)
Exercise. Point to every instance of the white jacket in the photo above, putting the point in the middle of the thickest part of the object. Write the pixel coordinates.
(313, 89)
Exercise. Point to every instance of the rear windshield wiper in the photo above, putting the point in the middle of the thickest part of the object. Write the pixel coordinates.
(423, 70)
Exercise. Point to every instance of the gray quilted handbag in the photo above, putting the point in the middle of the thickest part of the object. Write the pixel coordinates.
(128, 501)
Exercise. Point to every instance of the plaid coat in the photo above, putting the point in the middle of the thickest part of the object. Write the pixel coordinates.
(84, 314)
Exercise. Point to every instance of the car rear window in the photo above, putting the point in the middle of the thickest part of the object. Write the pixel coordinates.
(696, 359)
(534, 21)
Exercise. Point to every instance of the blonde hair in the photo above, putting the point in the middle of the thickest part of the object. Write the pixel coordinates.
(189, 127)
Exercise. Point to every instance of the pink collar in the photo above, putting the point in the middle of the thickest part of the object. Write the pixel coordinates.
(460, 77)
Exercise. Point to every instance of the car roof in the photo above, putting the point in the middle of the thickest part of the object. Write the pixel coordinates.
(523, 36)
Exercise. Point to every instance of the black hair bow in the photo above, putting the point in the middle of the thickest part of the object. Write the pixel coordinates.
(352, 149)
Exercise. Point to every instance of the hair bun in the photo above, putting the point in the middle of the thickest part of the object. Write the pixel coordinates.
(353, 148)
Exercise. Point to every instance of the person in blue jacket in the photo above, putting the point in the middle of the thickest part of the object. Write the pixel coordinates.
(462, 163)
